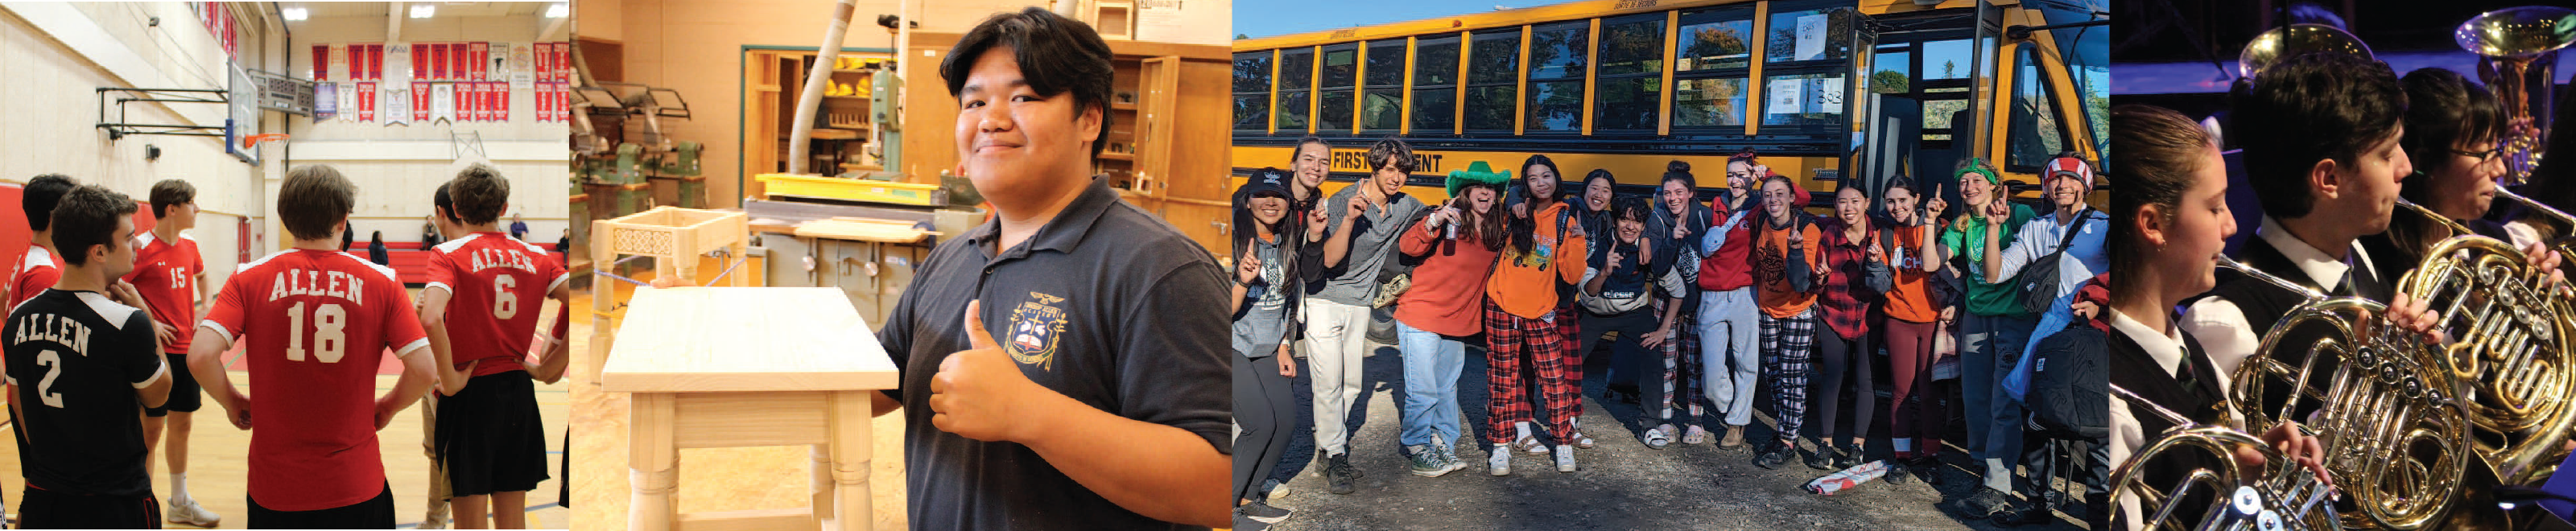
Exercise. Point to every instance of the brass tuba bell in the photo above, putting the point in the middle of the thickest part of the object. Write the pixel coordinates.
(2518, 49)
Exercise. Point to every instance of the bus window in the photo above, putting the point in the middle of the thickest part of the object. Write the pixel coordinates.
(1251, 91)
(1892, 73)
(1942, 83)
(1296, 76)
(1493, 76)
(1713, 49)
(1556, 68)
(1629, 81)
(1382, 103)
(2035, 135)
(1333, 92)
(1807, 35)
(1435, 85)
(1803, 99)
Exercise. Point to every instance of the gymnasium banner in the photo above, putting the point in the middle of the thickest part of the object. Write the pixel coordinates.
(420, 93)
(326, 101)
(366, 102)
(442, 102)
(397, 104)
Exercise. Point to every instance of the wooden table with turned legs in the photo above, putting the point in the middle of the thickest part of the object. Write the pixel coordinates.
(736, 367)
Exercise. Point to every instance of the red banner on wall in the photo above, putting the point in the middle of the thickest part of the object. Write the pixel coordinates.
(321, 62)
(367, 102)
(420, 96)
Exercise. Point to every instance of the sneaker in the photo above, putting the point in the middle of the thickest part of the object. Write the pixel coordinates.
(1734, 437)
(1771, 458)
(1822, 459)
(188, 512)
(1499, 461)
(1564, 458)
(1658, 437)
(1427, 462)
(1261, 511)
(1986, 503)
(1338, 474)
(1448, 454)
(1898, 473)
(1849, 457)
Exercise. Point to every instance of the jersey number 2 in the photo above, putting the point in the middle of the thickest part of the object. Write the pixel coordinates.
(53, 369)
(329, 340)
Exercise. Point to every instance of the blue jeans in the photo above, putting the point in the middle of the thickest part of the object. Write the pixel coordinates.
(1431, 366)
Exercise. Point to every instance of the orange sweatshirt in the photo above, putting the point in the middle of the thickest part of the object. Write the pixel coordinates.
(1778, 298)
(1447, 297)
(1524, 281)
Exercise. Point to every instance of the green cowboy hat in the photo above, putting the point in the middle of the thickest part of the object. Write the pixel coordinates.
(1477, 173)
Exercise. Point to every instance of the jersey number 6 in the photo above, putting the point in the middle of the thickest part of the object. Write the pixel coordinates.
(505, 304)
(328, 338)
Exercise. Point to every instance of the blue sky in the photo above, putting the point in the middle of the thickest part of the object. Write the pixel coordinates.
(1267, 18)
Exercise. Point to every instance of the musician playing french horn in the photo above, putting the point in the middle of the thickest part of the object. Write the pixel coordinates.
(2172, 221)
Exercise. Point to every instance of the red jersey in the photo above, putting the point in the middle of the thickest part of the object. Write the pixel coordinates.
(302, 313)
(165, 273)
(35, 272)
(495, 285)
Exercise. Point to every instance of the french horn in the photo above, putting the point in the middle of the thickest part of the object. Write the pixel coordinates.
(2278, 495)
(2394, 432)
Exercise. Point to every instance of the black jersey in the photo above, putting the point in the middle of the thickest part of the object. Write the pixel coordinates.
(77, 359)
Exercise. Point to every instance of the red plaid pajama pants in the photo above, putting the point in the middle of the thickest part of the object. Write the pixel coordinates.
(1514, 344)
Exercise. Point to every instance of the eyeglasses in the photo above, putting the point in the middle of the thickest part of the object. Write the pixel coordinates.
(2483, 157)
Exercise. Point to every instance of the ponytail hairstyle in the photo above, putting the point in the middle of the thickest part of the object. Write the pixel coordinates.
(2158, 151)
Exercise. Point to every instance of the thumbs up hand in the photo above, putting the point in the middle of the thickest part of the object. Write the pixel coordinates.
(978, 391)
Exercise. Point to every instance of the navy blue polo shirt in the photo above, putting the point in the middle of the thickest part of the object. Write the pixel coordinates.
(1106, 304)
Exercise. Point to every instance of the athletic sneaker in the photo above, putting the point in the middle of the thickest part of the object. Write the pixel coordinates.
(1427, 462)
(1338, 473)
(1261, 511)
(1499, 461)
(1565, 458)
(1448, 454)
(188, 512)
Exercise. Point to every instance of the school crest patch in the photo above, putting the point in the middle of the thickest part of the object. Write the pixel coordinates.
(1036, 324)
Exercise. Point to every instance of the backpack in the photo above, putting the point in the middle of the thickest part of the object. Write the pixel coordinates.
(2038, 281)
(2069, 384)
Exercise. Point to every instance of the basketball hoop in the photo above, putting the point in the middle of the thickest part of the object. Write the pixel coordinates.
(254, 140)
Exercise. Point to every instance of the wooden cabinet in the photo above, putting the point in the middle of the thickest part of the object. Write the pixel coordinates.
(772, 81)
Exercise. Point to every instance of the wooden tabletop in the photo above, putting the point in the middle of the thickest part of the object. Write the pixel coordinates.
(694, 339)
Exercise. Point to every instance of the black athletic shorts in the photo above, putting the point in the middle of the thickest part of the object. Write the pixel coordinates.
(45, 509)
(491, 437)
(184, 397)
(377, 513)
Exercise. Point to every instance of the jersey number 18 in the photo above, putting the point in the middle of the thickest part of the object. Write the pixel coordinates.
(328, 338)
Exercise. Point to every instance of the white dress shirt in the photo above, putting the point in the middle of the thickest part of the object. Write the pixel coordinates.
(2221, 326)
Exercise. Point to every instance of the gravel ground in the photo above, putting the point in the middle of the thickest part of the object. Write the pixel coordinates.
(1622, 484)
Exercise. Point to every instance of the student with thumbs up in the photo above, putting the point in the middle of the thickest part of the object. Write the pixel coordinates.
(1064, 365)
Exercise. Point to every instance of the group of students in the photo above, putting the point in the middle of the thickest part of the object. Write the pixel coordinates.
(1706, 300)
(2330, 143)
(111, 332)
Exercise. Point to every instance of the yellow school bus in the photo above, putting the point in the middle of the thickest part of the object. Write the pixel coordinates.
(1835, 89)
